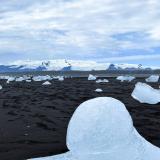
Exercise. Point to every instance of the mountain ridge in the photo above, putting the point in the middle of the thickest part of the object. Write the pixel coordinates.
(69, 65)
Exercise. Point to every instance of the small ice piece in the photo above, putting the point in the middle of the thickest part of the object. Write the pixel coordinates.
(20, 79)
(102, 129)
(61, 78)
(92, 77)
(46, 83)
(1, 87)
(102, 81)
(10, 79)
(146, 94)
(98, 90)
(28, 80)
(153, 78)
(125, 78)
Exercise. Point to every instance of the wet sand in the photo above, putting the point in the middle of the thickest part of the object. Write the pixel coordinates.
(34, 118)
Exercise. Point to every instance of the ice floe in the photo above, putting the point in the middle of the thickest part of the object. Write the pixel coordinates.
(125, 78)
(102, 81)
(98, 90)
(92, 77)
(146, 94)
(46, 83)
(152, 78)
(102, 129)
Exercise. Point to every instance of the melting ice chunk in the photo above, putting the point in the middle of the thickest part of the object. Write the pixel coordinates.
(102, 129)
(125, 78)
(152, 78)
(98, 90)
(146, 94)
(91, 77)
(46, 83)
(102, 81)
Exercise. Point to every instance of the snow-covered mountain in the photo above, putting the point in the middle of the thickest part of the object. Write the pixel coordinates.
(67, 65)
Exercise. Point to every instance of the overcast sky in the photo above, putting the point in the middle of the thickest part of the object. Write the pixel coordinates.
(116, 31)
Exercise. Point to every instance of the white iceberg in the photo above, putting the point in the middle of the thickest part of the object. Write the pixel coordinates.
(146, 94)
(102, 81)
(98, 90)
(1, 87)
(46, 83)
(152, 78)
(102, 129)
(92, 77)
(125, 78)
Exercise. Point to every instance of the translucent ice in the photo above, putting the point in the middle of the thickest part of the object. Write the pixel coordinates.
(61, 78)
(152, 78)
(46, 83)
(146, 94)
(42, 78)
(98, 90)
(125, 78)
(102, 129)
(91, 77)
(20, 79)
(102, 81)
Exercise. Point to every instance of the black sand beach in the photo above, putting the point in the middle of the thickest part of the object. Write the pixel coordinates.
(34, 118)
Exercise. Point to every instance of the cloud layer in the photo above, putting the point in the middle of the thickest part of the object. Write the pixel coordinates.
(79, 29)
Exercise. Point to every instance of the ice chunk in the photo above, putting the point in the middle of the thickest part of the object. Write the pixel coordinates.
(61, 78)
(146, 94)
(10, 79)
(46, 83)
(152, 78)
(28, 80)
(125, 78)
(1, 87)
(102, 129)
(42, 78)
(91, 77)
(98, 90)
(102, 81)
(20, 79)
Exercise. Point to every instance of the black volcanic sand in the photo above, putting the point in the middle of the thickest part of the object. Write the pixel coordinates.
(34, 118)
